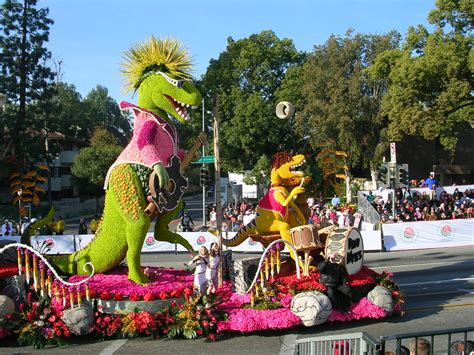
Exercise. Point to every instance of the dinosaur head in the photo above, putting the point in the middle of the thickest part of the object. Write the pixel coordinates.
(159, 70)
(286, 167)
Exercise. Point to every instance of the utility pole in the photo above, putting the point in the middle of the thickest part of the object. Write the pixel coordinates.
(203, 165)
(217, 188)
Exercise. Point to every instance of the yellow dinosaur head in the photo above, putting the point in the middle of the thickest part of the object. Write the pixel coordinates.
(285, 167)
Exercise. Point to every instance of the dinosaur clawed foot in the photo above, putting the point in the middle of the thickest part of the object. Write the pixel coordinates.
(138, 278)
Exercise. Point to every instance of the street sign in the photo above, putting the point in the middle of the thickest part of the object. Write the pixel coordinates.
(205, 159)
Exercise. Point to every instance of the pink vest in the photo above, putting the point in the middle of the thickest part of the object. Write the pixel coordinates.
(154, 141)
(268, 202)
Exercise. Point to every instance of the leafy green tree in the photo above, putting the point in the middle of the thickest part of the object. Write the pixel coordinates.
(260, 174)
(245, 77)
(25, 78)
(92, 163)
(69, 113)
(340, 103)
(101, 109)
(431, 77)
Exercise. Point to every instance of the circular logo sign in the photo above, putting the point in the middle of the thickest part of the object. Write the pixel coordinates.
(201, 240)
(149, 241)
(251, 242)
(446, 230)
(49, 243)
(408, 234)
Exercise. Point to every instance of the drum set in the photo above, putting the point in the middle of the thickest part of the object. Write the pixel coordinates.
(345, 243)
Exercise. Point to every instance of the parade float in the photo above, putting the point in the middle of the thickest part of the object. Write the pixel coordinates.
(306, 275)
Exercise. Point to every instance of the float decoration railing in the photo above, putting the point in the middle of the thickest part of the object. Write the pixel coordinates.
(264, 260)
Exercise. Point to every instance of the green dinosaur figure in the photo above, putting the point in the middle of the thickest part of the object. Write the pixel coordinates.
(159, 70)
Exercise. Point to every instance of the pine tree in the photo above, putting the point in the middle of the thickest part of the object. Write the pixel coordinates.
(25, 79)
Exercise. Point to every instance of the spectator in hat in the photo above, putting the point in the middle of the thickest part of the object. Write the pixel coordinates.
(430, 182)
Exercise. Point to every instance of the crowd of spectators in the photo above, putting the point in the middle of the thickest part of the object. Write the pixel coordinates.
(235, 215)
(330, 213)
(413, 205)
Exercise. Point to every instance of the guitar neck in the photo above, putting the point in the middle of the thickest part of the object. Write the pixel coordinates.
(189, 156)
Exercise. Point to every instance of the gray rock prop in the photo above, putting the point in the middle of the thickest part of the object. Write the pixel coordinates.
(79, 320)
(9, 255)
(244, 273)
(6, 306)
(382, 297)
(16, 288)
(312, 307)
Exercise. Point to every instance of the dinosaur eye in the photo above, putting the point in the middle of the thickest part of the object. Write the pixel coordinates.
(175, 82)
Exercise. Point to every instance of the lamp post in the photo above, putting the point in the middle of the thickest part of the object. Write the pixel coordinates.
(203, 165)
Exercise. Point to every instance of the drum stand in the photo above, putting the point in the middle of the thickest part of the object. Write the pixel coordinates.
(306, 261)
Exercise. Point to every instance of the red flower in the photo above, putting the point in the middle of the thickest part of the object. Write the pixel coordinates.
(93, 294)
(67, 333)
(211, 337)
(176, 293)
(173, 303)
(118, 297)
(163, 296)
(52, 319)
(148, 297)
(134, 297)
(205, 324)
(199, 332)
(105, 296)
(188, 293)
(58, 333)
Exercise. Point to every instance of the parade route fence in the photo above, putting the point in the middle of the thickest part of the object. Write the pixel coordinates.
(354, 344)
(66, 244)
(392, 237)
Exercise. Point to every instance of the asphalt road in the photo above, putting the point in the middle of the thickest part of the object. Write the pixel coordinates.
(439, 288)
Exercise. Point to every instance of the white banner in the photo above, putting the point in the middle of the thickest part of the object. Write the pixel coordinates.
(197, 239)
(372, 240)
(425, 235)
(57, 244)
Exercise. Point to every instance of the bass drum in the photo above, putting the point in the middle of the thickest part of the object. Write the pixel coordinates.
(347, 246)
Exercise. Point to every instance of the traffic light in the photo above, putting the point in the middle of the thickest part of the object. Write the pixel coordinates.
(383, 175)
(204, 179)
(403, 179)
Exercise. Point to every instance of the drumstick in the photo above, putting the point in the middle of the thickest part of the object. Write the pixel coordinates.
(302, 182)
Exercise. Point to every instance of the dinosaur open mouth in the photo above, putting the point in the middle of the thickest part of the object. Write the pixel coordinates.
(180, 108)
(294, 167)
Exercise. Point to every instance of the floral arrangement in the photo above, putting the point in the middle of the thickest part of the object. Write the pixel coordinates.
(115, 285)
(198, 316)
(40, 325)
(385, 279)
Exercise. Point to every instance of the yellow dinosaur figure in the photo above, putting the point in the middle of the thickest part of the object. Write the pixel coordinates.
(277, 212)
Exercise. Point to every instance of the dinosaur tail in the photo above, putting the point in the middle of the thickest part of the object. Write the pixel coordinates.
(242, 234)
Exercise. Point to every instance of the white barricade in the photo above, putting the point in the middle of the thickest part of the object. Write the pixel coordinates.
(197, 239)
(57, 244)
(372, 240)
(425, 235)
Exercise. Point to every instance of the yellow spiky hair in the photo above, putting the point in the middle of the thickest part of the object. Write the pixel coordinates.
(155, 54)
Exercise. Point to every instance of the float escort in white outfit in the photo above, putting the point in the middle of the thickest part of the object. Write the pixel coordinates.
(200, 280)
(211, 272)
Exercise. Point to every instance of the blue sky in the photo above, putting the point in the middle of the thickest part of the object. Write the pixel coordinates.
(89, 36)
